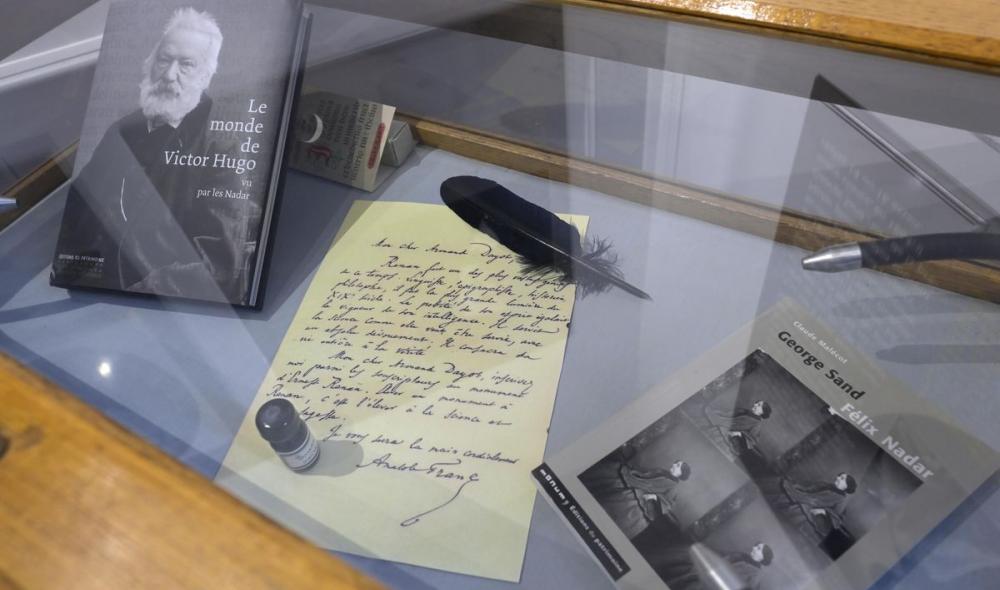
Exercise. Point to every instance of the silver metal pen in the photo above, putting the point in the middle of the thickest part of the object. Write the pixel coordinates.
(876, 253)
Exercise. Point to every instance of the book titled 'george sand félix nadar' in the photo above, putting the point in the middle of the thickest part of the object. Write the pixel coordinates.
(785, 458)
(180, 158)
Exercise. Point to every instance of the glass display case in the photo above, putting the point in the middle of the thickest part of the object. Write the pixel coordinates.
(712, 159)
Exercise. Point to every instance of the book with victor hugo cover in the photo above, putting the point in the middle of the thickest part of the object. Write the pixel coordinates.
(179, 166)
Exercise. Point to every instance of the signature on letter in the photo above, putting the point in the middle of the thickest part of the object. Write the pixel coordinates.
(418, 517)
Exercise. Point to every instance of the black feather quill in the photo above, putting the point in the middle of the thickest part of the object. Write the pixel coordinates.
(543, 242)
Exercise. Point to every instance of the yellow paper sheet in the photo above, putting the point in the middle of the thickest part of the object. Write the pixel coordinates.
(427, 364)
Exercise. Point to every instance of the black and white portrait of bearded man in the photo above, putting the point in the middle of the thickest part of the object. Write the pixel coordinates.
(138, 211)
(180, 68)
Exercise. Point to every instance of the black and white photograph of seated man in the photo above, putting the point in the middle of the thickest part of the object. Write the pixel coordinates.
(137, 204)
(823, 478)
(636, 497)
(752, 458)
(815, 508)
(736, 537)
(668, 487)
(673, 563)
(668, 472)
(750, 413)
(657, 487)
(741, 429)
(741, 424)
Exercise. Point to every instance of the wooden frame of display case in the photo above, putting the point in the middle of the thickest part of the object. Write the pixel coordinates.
(956, 34)
(952, 34)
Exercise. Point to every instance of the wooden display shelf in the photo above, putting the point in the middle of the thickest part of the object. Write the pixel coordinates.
(787, 227)
(85, 504)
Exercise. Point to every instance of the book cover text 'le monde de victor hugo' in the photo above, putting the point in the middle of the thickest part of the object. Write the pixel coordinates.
(179, 159)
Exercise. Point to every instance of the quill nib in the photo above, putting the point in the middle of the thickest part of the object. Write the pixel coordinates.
(544, 243)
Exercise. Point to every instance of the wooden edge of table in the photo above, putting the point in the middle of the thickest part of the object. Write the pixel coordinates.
(809, 233)
(86, 504)
(951, 34)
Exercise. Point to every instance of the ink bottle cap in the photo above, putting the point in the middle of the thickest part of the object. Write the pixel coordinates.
(280, 425)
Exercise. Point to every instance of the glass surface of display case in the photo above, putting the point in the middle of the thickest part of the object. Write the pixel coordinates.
(689, 169)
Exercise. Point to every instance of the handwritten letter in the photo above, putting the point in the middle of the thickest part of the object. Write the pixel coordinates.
(427, 364)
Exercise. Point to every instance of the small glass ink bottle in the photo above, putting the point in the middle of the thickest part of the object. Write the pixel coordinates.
(280, 424)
